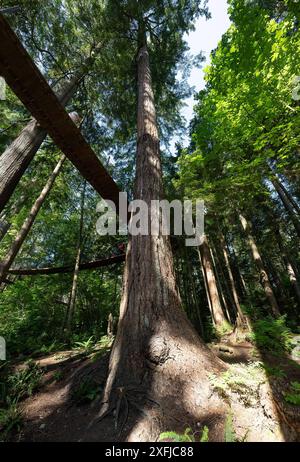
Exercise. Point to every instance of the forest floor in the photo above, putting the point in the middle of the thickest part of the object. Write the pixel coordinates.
(68, 397)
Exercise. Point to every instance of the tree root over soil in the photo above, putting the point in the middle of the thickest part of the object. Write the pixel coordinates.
(177, 392)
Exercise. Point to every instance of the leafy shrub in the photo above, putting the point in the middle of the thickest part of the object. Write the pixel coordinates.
(204, 437)
(10, 419)
(24, 382)
(86, 345)
(229, 433)
(272, 334)
(224, 329)
(57, 376)
(86, 392)
(273, 371)
(293, 397)
(242, 379)
(15, 387)
(187, 437)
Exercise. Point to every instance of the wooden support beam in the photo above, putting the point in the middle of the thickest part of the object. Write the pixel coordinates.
(25, 79)
(10, 10)
(69, 269)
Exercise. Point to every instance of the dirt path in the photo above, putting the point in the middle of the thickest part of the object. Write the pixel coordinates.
(61, 411)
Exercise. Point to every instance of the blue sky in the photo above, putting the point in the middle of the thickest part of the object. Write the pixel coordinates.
(205, 38)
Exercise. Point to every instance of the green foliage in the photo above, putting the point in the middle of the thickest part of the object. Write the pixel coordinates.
(293, 397)
(86, 345)
(273, 371)
(24, 382)
(10, 420)
(229, 433)
(242, 380)
(57, 376)
(272, 334)
(14, 387)
(187, 437)
(205, 435)
(224, 329)
(87, 391)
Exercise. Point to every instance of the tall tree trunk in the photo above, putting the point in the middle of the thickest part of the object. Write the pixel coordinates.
(264, 278)
(72, 301)
(4, 227)
(287, 205)
(16, 158)
(206, 287)
(110, 325)
(212, 289)
(238, 277)
(241, 319)
(194, 298)
(290, 267)
(288, 195)
(157, 354)
(218, 267)
(22, 234)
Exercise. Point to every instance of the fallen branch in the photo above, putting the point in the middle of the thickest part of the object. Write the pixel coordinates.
(68, 269)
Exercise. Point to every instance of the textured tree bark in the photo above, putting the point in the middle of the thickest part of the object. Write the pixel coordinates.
(110, 325)
(288, 195)
(290, 267)
(287, 205)
(264, 278)
(4, 227)
(217, 266)
(158, 362)
(241, 319)
(238, 277)
(22, 234)
(211, 284)
(72, 301)
(16, 158)
(205, 286)
(198, 308)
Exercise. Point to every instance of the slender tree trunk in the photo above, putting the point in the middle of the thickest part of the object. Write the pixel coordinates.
(293, 279)
(290, 267)
(212, 289)
(72, 301)
(194, 298)
(239, 278)
(216, 266)
(110, 325)
(16, 158)
(22, 234)
(157, 354)
(288, 195)
(241, 319)
(264, 278)
(287, 205)
(206, 287)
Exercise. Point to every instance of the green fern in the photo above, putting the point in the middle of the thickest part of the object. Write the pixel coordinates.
(229, 434)
(293, 397)
(187, 437)
(204, 437)
(174, 437)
